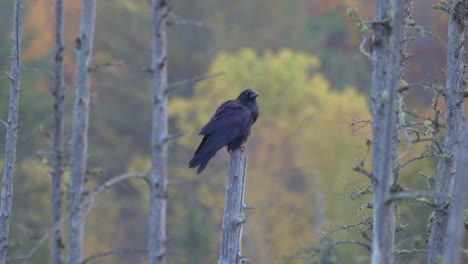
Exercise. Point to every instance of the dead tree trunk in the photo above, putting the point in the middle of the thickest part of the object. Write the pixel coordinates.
(57, 159)
(386, 72)
(79, 142)
(12, 131)
(157, 178)
(234, 216)
(383, 216)
(455, 228)
(453, 94)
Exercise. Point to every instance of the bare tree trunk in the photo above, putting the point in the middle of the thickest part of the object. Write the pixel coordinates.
(234, 216)
(453, 93)
(57, 171)
(79, 142)
(455, 228)
(317, 214)
(386, 63)
(383, 216)
(12, 131)
(158, 176)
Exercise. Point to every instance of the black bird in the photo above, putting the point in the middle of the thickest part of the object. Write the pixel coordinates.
(229, 126)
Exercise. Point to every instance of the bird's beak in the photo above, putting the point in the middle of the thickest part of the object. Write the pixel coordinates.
(254, 95)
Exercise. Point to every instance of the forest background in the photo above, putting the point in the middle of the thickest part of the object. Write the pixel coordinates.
(303, 58)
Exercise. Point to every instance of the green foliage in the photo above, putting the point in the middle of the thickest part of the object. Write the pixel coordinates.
(323, 33)
(195, 236)
(351, 12)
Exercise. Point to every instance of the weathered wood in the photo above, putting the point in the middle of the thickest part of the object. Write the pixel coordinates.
(234, 216)
(455, 228)
(454, 95)
(386, 73)
(157, 178)
(383, 216)
(57, 147)
(12, 131)
(79, 140)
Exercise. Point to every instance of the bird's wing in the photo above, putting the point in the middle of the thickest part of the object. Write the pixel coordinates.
(230, 115)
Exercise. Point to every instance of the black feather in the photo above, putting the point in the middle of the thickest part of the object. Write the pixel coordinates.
(230, 126)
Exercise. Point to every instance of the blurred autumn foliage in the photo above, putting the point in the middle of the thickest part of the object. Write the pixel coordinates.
(301, 55)
(285, 172)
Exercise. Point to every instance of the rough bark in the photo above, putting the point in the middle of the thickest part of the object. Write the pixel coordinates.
(455, 228)
(383, 217)
(386, 72)
(157, 178)
(12, 131)
(79, 141)
(447, 162)
(234, 216)
(57, 159)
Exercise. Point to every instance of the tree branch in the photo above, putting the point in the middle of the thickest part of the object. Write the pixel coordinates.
(113, 252)
(174, 136)
(97, 67)
(9, 77)
(147, 70)
(351, 241)
(316, 250)
(33, 249)
(419, 157)
(363, 50)
(401, 120)
(46, 235)
(175, 20)
(41, 241)
(365, 222)
(412, 195)
(409, 251)
(100, 188)
(88, 259)
(193, 80)
(363, 172)
(427, 177)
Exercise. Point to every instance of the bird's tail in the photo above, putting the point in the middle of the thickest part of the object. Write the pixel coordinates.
(205, 152)
(201, 161)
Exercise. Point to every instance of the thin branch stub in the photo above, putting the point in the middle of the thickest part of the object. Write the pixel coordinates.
(4, 123)
(239, 220)
(248, 207)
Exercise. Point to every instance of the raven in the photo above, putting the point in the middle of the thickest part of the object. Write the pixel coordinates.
(229, 126)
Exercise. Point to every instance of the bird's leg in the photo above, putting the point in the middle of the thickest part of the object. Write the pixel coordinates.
(241, 148)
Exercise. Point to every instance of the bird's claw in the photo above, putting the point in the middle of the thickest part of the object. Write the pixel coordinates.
(241, 148)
